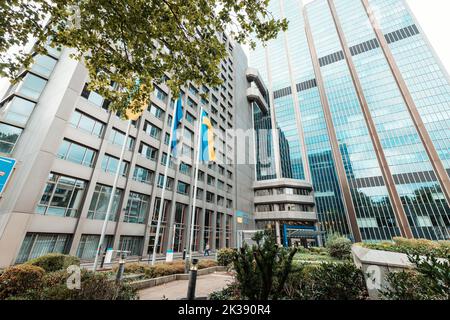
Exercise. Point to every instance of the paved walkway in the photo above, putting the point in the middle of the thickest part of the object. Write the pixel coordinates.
(176, 290)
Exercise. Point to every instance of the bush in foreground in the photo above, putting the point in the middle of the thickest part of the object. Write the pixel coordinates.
(429, 281)
(339, 247)
(28, 282)
(19, 279)
(54, 262)
(326, 281)
(225, 256)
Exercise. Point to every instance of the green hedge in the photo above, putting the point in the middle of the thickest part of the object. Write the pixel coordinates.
(412, 246)
(326, 281)
(54, 262)
(162, 269)
(29, 282)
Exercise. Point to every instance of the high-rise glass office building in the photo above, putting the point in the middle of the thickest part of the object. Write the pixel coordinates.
(362, 109)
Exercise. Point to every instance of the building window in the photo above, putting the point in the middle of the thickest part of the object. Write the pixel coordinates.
(32, 86)
(87, 249)
(137, 208)
(99, 203)
(131, 244)
(179, 222)
(166, 139)
(200, 193)
(190, 118)
(110, 163)
(147, 151)
(164, 160)
(211, 180)
(201, 176)
(169, 182)
(143, 175)
(161, 95)
(193, 90)
(210, 197)
(18, 110)
(117, 137)
(183, 188)
(220, 201)
(229, 204)
(38, 244)
(8, 137)
(220, 185)
(163, 226)
(156, 111)
(187, 151)
(94, 98)
(185, 168)
(90, 125)
(152, 130)
(62, 196)
(76, 153)
(43, 65)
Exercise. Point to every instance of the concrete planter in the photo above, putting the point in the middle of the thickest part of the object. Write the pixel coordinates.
(148, 283)
(376, 264)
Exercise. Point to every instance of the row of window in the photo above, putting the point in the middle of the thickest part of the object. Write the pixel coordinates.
(63, 196)
(287, 191)
(38, 244)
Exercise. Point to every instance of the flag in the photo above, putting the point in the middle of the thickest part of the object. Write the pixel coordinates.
(177, 117)
(207, 152)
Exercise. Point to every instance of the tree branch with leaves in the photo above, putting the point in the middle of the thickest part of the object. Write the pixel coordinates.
(120, 41)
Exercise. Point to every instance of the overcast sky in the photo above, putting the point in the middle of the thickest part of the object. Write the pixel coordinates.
(433, 16)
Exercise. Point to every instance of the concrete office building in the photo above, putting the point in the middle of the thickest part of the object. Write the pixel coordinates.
(68, 144)
(361, 104)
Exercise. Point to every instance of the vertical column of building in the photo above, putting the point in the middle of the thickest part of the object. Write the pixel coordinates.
(348, 202)
(412, 108)
(386, 172)
(298, 117)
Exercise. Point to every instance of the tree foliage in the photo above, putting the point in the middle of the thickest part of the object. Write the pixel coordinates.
(261, 271)
(121, 41)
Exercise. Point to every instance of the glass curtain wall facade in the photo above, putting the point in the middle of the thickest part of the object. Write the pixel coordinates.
(365, 81)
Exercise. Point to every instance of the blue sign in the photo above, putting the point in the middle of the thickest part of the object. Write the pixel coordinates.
(6, 169)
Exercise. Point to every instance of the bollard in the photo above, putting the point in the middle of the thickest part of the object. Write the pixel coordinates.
(184, 254)
(103, 258)
(119, 275)
(192, 280)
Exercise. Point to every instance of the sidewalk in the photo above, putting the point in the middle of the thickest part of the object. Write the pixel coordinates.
(176, 290)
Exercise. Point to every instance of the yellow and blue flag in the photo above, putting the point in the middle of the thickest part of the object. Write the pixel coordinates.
(207, 152)
(177, 117)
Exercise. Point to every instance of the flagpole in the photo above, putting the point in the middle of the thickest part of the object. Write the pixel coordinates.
(111, 198)
(196, 164)
(161, 204)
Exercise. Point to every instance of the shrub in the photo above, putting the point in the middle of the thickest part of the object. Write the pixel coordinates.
(230, 292)
(326, 281)
(20, 279)
(319, 250)
(225, 256)
(94, 286)
(413, 246)
(203, 264)
(262, 270)
(430, 280)
(54, 262)
(339, 247)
